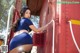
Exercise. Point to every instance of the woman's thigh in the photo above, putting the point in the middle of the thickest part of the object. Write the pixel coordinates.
(26, 48)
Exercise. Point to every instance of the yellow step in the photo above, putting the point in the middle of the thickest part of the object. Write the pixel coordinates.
(77, 22)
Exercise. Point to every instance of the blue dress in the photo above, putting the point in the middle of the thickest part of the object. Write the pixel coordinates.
(23, 38)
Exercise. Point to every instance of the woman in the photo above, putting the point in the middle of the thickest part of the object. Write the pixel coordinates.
(22, 41)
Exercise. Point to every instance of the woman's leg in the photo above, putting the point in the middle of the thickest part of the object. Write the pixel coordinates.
(23, 48)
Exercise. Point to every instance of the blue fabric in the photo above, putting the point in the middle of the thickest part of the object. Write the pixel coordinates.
(19, 40)
(24, 23)
(23, 38)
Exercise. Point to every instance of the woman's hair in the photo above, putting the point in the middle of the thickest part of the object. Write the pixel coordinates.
(16, 23)
(23, 10)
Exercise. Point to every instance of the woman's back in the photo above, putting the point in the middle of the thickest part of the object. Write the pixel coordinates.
(24, 24)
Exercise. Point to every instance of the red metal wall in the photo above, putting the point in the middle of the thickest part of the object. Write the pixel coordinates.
(47, 14)
(43, 22)
(61, 13)
(68, 12)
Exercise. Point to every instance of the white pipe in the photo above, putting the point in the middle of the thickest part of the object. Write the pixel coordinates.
(53, 35)
(8, 21)
(72, 34)
(48, 0)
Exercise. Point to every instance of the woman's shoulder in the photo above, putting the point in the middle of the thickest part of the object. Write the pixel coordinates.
(27, 20)
(24, 18)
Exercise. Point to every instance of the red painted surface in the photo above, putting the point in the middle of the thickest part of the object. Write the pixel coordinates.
(68, 12)
(46, 16)
(39, 39)
(43, 16)
(16, 15)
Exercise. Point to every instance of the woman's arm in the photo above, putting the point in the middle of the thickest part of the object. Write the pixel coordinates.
(39, 29)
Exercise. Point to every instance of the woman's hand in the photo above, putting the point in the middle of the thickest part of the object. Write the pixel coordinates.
(39, 30)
